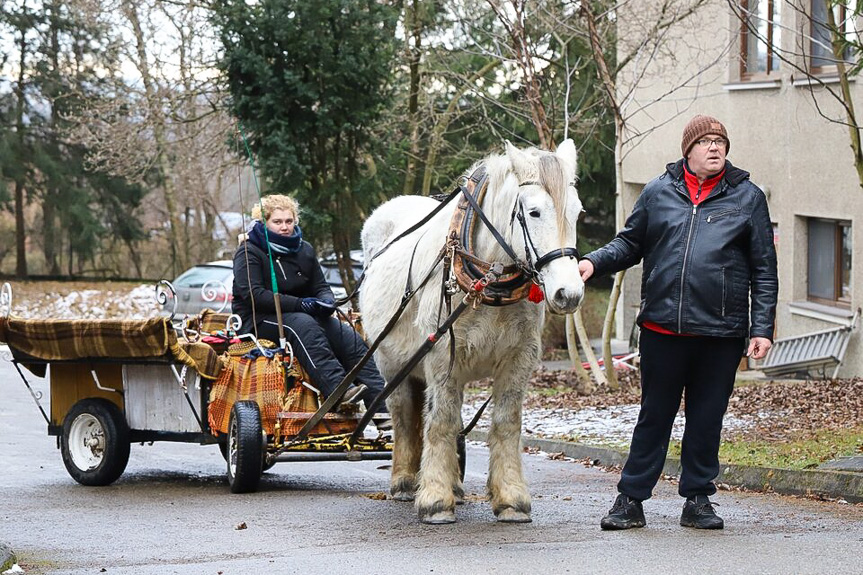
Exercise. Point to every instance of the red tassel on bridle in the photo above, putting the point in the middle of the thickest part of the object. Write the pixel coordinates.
(535, 294)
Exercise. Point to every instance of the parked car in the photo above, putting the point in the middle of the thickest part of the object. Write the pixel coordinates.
(203, 286)
(330, 266)
(218, 278)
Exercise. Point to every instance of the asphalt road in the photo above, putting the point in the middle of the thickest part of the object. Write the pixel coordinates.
(171, 512)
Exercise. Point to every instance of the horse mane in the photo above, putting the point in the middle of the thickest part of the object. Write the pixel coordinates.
(547, 170)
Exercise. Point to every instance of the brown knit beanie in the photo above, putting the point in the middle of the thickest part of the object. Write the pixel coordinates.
(700, 126)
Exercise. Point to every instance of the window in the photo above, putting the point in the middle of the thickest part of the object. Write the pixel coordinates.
(760, 38)
(821, 43)
(830, 262)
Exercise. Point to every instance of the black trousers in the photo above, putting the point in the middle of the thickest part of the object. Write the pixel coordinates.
(327, 349)
(700, 369)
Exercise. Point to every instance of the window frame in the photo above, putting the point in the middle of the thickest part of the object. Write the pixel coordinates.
(746, 33)
(841, 17)
(838, 299)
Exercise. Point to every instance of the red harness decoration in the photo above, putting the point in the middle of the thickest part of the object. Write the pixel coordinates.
(535, 294)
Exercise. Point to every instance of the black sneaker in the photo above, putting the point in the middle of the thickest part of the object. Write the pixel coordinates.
(698, 513)
(352, 395)
(626, 513)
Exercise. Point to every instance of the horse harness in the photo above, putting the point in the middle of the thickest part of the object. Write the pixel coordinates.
(490, 283)
(517, 278)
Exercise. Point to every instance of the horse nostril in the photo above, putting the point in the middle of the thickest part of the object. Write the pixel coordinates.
(566, 298)
(560, 296)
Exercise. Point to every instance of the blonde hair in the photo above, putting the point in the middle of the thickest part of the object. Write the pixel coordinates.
(275, 202)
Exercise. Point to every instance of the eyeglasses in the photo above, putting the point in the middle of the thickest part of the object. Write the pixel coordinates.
(707, 142)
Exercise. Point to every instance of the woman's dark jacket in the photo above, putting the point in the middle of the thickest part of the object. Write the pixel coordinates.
(700, 262)
(298, 275)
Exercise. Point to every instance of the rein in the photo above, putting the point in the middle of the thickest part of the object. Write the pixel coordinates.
(483, 283)
(517, 278)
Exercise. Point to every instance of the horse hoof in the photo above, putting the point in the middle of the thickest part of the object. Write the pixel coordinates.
(439, 518)
(510, 515)
(403, 496)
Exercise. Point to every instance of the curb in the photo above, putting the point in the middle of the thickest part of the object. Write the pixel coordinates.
(818, 482)
(7, 558)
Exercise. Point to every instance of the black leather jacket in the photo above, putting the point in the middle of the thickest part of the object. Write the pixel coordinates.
(298, 275)
(701, 263)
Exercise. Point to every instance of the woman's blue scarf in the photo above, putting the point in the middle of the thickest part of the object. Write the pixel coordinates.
(280, 244)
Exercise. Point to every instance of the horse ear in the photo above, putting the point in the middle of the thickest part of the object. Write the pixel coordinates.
(567, 152)
(520, 161)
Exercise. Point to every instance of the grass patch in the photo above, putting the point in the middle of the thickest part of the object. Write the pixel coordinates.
(805, 453)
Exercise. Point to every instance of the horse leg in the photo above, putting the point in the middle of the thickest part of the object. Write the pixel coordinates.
(406, 407)
(440, 485)
(507, 488)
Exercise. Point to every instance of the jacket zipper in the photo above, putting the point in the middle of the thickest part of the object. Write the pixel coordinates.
(713, 217)
(723, 292)
(683, 271)
(278, 261)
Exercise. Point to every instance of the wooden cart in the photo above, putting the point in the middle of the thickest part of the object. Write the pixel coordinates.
(114, 383)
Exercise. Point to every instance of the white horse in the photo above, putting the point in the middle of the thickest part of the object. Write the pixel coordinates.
(502, 342)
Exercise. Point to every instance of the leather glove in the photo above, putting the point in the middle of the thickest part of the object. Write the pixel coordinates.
(308, 305)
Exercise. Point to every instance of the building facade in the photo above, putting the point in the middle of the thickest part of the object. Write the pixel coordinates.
(773, 83)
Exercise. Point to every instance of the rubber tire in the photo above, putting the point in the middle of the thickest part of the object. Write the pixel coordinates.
(461, 450)
(223, 449)
(245, 448)
(105, 419)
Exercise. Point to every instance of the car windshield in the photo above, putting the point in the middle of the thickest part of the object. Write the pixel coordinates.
(199, 275)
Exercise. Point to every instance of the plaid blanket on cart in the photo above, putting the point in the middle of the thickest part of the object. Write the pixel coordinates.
(259, 379)
(263, 380)
(67, 340)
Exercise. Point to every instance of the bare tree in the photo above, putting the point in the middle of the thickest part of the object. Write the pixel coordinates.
(166, 125)
(839, 38)
(649, 31)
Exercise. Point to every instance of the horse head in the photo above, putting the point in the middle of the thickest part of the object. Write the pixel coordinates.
(543, 221)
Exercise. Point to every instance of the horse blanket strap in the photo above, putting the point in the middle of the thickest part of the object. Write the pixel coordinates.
(471, 300)
(349, 378)
(514, 284)
(469, 427)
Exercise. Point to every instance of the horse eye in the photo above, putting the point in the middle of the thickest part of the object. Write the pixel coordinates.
(533, 213)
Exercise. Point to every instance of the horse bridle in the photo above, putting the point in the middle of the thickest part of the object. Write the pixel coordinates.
(518, 277)
(544, 260)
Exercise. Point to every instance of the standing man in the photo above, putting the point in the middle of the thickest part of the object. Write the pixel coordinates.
(704, 233)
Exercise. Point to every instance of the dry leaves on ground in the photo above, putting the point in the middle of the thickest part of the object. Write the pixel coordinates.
(799, 409)
(780, 410)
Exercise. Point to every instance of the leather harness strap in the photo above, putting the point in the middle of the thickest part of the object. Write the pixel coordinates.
(514, 283)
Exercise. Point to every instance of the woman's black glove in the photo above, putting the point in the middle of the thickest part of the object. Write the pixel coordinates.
(316, 307)
(324, 307)
(307, 305)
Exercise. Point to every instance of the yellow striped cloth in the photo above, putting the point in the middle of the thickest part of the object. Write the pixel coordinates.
(65, 340)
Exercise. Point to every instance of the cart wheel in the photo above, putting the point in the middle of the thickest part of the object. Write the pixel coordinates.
(223, 449)
(462, 455)
(95, 442)
(245, 449)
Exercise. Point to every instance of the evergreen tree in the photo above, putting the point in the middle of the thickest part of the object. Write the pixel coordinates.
(309, 81)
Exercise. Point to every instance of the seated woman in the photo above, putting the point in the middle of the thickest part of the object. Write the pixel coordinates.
(323, 345)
